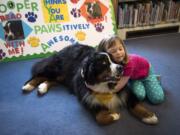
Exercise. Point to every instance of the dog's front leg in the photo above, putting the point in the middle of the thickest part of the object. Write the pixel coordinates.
(45, 86)
(105, 117)
(33, 83)
(140, 111)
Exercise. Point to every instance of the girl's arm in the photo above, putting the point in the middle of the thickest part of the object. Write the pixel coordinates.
(122, 82)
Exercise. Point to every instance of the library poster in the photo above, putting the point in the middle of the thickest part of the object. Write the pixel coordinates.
(31, 28)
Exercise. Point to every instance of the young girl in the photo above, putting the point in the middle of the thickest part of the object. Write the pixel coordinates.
(137, 70)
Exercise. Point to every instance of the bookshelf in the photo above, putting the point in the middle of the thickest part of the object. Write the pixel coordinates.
(144, 16)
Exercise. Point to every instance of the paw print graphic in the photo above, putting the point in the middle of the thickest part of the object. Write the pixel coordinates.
(99, 27)
(80, 35)
(31, 17)
(33, 41)
(76, 12)
(2, 54)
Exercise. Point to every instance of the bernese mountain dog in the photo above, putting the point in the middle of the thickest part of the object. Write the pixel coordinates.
(91, 76)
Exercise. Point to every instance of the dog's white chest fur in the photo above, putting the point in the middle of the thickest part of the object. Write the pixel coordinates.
(111, 101)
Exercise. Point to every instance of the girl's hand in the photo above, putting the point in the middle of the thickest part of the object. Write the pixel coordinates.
(121, 83)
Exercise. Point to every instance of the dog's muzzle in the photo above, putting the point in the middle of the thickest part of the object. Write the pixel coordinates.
(117, 76)
(117, 70)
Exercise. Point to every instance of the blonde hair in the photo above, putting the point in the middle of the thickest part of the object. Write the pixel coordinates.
(107, 43)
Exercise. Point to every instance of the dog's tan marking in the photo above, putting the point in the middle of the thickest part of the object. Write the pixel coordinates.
(144, 114)
(33, 83)
(112, 102)
(28, 87)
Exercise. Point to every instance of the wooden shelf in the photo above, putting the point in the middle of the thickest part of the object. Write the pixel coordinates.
(123, 32)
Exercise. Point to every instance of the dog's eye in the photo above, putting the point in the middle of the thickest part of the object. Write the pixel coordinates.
(104, 63)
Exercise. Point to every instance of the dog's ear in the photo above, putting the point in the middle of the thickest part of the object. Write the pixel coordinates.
(88, 71)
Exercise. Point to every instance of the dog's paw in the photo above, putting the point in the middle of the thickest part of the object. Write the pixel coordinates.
(27, 87)
(42, 88)
(150, 120)
(107, 117)
(115, 116)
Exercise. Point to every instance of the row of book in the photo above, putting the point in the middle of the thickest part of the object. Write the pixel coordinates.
(148, 13)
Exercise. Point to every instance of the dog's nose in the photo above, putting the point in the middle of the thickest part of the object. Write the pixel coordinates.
(120, 69)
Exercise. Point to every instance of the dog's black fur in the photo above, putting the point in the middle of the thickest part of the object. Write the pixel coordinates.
(85, 72)
(68, 64)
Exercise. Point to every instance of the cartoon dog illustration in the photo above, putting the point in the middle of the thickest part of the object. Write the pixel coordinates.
(93, 10)
(13, 30)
